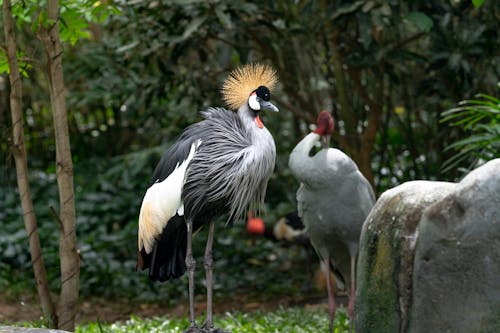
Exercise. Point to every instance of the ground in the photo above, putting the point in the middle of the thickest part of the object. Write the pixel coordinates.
(16, 308)
(26, 308)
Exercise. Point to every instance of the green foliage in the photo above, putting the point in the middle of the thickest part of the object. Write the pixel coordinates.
(480, 118)
(422, 21)
(24, 66)
(477, 3)
(427, 55)
(75, 16)
(149, 67)
(108, 197)
(293, 320)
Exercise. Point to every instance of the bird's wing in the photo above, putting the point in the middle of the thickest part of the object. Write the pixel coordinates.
(191, 134)
(176, 153)
(163, 198)
(333, 165)
(366, 191)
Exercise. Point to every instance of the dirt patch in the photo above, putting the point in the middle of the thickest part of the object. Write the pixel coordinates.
(26, 308)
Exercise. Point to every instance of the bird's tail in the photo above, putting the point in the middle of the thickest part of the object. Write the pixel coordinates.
(167, 260)
(339, 278)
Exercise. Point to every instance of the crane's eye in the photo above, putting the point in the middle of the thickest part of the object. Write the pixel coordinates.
(263, 93)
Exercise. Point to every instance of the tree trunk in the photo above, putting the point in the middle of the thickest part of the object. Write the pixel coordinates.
(70, 261)
(20, 156)
(359, 146)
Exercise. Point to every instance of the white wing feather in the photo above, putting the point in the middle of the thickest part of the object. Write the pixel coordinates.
(161, 202)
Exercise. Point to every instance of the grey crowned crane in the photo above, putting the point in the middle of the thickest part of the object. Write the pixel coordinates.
(220, 165)
(333, 201)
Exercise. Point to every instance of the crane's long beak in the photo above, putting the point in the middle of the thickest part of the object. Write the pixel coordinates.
(265, 105)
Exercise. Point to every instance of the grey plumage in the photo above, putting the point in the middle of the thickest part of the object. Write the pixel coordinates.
(228, 173)
(334, 197)
(220, 165)
(234, 163)
(333, 201)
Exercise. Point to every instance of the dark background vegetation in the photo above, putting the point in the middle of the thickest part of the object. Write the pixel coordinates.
(383, 66)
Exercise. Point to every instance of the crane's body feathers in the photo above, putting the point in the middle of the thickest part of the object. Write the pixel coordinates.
(162, 201)
(169, 249)
(333, 200)
(219, 165)
(233, 165)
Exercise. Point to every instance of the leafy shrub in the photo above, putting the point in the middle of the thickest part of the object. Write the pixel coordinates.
(108, 197)
(480, 118)
(294, 320)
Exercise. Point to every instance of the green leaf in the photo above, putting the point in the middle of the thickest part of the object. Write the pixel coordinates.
(4, 64)
(481, 118)
(224, 18)
(421, 20)
(193, 26)
(491, 98)
(23, 65)
(347, 9)
(477, 3)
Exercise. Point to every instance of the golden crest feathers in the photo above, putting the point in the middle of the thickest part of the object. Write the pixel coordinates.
(243, 80)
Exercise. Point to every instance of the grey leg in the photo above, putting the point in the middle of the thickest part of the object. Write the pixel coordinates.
(350, 307)
(209, 265)
(331, 295)
(190, 266)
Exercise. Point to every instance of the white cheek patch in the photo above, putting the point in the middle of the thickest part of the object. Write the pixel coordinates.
(162, 201)
(253, 103)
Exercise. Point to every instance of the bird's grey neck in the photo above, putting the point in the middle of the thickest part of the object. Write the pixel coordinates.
(260, 137)
(306, 144)
(301, 164)
(247, 116)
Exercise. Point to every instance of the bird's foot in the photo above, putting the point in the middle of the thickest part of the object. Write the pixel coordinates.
(211, 329)
(194, 329)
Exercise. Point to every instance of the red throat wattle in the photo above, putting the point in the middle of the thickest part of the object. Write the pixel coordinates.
(259, 122)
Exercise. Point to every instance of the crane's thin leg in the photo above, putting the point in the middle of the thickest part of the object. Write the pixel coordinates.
(190, 266)
(331, 295)
(350, 307)
(209, 265)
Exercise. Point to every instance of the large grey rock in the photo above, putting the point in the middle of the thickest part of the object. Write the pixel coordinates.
(456, 283)
(429, 258)
(387, 248)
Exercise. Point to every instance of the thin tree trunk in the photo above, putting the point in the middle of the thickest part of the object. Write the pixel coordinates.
(358, 146)
(374, 121)
(20, 156)
(70, 261)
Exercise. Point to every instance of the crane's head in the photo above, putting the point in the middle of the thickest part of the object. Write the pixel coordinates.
(324, 127)
(259, 99)
(250, 85)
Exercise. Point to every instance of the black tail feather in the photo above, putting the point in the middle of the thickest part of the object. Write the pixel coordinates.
(168, 258)
(340, 280)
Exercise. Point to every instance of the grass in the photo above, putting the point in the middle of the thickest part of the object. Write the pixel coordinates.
(292, 320)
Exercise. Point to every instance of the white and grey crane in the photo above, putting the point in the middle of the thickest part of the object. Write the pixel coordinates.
(333, 201)
(220, 165)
